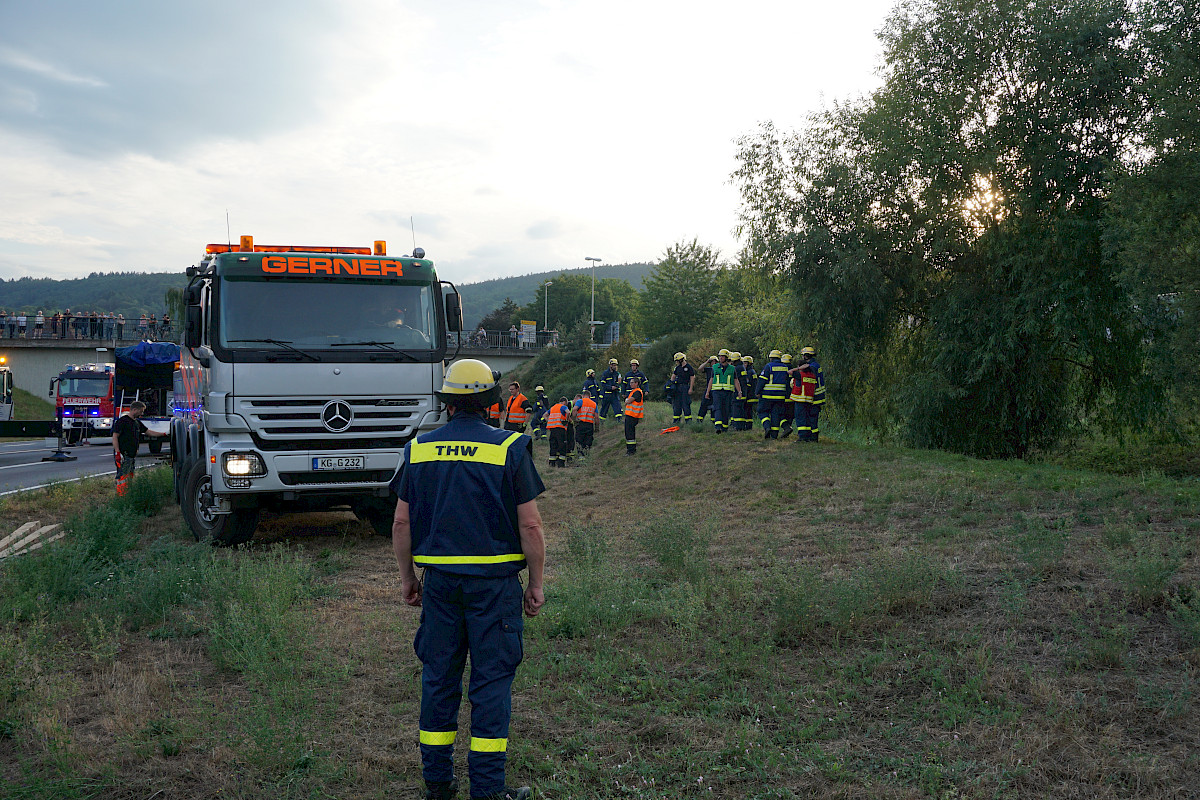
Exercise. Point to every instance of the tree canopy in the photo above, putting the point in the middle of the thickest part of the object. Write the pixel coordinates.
(949, 228)
(681, 292)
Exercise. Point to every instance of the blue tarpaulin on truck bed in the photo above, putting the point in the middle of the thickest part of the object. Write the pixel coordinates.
(146, 365)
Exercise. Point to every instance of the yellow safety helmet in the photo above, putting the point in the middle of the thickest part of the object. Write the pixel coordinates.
(786, 358)
(735, 356)
(591, 372)
(748, 358)
(723, 352)
(634, 362)
(612, 362)
(679, 357)
(470, 383)
(712, 358)
(539, 388)
(774, 354)
(808, 351)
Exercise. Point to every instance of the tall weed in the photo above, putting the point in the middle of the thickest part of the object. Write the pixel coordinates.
(256, 625)
(679, 544)
(591, 593)
(811, 606)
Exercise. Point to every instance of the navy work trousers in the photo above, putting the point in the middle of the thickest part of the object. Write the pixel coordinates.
(722, 406)
(610, 401)
(808, 427)
(681, 406)
(772, 413)
(463, 615)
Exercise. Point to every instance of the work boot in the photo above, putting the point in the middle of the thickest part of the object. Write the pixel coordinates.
(441, 790)
(524, 793)
(786, 433)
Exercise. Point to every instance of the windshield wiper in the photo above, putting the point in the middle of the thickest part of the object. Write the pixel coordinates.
(384, 345)
(282, 343)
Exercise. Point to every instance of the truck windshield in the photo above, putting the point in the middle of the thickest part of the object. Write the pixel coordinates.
(312, 315)
(83, 387)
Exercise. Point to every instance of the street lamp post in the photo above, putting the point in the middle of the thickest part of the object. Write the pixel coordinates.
(592, 318)
(546, 294)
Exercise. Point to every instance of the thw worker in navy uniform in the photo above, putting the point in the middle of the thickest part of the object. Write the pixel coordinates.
(467, 513)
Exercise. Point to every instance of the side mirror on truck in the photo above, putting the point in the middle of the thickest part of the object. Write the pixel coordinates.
(193, 323)
(454, 318)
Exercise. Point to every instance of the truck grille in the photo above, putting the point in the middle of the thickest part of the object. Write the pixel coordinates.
(378, 423)
(344, 476)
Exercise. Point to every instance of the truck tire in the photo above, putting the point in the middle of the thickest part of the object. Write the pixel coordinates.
(224, 530)
(381, 522)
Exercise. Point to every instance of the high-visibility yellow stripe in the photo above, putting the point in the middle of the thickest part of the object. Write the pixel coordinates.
(478, 452)
(438, 738)
(469, 559)
(489, 745)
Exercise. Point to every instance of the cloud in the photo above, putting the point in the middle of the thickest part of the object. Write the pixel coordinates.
(160, 77)
(545, 229)
(21, 61)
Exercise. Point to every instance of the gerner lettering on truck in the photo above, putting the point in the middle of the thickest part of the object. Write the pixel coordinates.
(304, 372)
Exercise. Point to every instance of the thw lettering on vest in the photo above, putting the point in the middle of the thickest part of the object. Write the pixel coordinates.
(464, 450)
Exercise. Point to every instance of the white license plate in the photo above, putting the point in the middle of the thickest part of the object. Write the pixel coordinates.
(339, 462)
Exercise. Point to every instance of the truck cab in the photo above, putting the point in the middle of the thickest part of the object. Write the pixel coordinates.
(303, 374)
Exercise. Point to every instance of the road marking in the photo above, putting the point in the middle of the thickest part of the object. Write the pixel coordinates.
(52, 483)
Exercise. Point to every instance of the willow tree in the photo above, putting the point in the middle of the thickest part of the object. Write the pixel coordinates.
(944, 234)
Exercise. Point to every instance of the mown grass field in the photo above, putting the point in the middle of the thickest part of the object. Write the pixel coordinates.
(725, 618)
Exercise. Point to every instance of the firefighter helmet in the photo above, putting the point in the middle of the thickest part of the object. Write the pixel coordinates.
(748, 359)
(735, 356)
(774, 354)
(470, 383)
(591, 372)
(633, 362)
(723, 352)
(680, 357)
(539, 388)
(712, 358)
(786, 358)
(808, 351)
(612, 362)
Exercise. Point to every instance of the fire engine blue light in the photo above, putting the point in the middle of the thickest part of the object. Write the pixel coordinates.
(67, 412)
(96, 413)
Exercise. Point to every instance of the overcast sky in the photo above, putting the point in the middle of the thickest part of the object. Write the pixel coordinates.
(519, 135)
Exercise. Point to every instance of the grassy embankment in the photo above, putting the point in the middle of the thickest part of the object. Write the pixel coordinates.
(29, 406)
(725, 618)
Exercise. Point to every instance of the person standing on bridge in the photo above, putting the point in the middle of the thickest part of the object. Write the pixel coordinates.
(126, 437)
(467, 513)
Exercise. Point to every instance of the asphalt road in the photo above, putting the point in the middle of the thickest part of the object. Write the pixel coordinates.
(22, 468)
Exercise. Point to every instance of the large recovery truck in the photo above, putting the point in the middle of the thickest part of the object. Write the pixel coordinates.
(304, 372)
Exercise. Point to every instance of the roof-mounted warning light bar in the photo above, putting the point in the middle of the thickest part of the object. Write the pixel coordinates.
(246, 245)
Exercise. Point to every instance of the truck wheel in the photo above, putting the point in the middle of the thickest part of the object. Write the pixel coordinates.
(155, 446)
(224, 530)
(381, 522)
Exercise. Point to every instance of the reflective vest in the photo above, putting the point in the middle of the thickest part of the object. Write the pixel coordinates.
(494, 412)
(587, 411)
(459, 459)
(804, 386)
(558, 416)
(722, 377)
(634, 404)
(516, 409)
(774, 381)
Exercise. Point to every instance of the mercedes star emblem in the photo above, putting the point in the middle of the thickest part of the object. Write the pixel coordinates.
(337, 415)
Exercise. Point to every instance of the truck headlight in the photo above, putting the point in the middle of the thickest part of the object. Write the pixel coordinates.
(243, 464)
